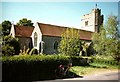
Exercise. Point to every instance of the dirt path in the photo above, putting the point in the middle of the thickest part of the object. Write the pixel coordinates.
(102, 71)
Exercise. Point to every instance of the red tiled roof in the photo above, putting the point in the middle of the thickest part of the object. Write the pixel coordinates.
(53, 30)
(23, 31)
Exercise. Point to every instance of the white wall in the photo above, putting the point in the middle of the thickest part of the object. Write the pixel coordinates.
(12, 31)
(37, 30)
(91, 21)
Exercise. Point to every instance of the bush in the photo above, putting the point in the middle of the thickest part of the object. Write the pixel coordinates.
(27, 67)
(79, 61)
(11, 46)
(33, 67)
(8, 50)
(104, 60)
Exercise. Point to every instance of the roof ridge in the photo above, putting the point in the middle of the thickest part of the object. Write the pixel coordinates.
(53, 25)
(24, 26)
(64, 27)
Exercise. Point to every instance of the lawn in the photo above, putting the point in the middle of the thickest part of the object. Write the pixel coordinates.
(94, 69)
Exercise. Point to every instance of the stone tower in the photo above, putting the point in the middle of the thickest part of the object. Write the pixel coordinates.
(92, 21)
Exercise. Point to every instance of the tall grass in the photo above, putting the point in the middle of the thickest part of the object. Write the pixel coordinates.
(103, 61)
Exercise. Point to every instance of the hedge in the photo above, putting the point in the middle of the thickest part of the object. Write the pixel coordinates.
(104, 60)
(35, 67)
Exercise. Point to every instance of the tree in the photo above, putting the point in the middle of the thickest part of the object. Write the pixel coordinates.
(107, 41)
(0, 27)
(25, 22)
(70, 43)
(10, 46)
(0, 37)
(99, 41)
(6, 26)
(113, 37)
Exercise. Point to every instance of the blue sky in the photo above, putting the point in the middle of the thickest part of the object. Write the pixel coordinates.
(57, 13)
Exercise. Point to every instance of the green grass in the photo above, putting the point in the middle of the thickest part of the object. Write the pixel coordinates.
(94, 69)
(100, 64)
(103, 65)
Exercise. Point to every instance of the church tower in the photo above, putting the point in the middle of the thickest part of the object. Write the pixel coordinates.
(92, 21)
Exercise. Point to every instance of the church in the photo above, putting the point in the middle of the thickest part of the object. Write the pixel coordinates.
(46, 37)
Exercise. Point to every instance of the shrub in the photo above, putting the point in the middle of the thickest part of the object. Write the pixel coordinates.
(27, 67)
(104, 60)
(79, 61)
(11, 46)
(33, 67)
(8, 50)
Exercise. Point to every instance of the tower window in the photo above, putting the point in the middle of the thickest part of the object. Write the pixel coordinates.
(35, 39)
(86, 23)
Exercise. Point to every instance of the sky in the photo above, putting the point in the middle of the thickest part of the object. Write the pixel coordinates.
(119, 13)
(56, 13)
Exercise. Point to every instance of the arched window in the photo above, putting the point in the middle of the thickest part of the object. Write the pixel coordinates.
(35, 39)
(56, 45)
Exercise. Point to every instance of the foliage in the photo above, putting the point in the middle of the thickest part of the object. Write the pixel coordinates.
(107, 41)
(44, 58)
(76, 60)
(0, 35)
(93, 69)
(90, 50)
(24, 51)
(31, 67)
(113, 38)
(33, 51)
(25, 22)
(0, 27)
(99, 41)
(41, 67)
(34, 67)
(6, 26)
(101, 59)
(10, 45)
(79, 60)
(28, 51)
(8, 50)
(70, 43)
(85, 47)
